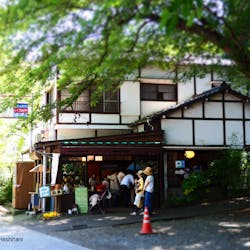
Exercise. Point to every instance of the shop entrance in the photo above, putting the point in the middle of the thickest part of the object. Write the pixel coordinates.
(75, 171)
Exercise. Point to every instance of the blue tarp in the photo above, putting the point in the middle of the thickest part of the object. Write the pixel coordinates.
(135, 166)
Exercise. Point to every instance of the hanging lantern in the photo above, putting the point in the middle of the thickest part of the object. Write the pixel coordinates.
(189, 154)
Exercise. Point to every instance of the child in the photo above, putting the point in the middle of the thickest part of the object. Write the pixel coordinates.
(138, 202)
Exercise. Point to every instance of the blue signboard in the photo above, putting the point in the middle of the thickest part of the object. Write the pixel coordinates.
(21, 110)
(180, 164)
(44, 192)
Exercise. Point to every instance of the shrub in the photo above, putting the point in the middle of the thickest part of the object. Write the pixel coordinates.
(5, 190)
(193, 187)
(223, 173)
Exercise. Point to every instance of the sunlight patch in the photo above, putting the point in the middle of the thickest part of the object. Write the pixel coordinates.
(228, 224)
(114, 218)
(247, 244)
(194, 246)
(58, 222)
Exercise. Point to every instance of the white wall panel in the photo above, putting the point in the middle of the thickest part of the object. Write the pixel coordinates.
(185, 90)
(149, 107)
(193, 111)
(216, 97)
(177, 113)
(130, 98)
(72, 118)
(203, 84)
(229, 97)
(74, 133)
(234, 133)
(128, 119)
(233, 110)
(247, 124)
(105, 118)
(247, 110)
(208, 132)
(177, 132)
(155, 72)
(213, 110)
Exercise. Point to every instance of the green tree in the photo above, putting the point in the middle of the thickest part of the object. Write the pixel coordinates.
(99, 43)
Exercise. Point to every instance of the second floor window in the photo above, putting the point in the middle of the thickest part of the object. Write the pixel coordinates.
(108, 103)
(158, 92)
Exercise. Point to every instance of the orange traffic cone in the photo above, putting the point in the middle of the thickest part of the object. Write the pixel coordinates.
(146, 225)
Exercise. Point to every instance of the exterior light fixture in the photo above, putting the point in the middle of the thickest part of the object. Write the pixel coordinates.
(98, 158)
(189, 154)
(90, 157)
(84, 158)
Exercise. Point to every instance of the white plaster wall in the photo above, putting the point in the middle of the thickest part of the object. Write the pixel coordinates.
(247, 125)
(128, 119)
(155, 72)
(74, 133)
(193, 111)
(233, 110)
(208, 132)
(177, 132)
(232, 98)
(216, 97)
(247, 110)
(176, 113)
(185, 90)
(105, 118)
(213, 110)
(234, 133)
(149, 107)
(69, 118)
(203, 84)
(130, 98)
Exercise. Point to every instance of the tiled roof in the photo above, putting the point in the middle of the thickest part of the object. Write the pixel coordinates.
(197, 98)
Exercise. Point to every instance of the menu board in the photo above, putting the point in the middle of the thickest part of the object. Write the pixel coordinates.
(81, 199)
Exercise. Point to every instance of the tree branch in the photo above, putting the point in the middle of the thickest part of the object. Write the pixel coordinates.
(137, 35)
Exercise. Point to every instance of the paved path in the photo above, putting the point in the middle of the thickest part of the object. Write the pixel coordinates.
(217, 225)
(16, 237)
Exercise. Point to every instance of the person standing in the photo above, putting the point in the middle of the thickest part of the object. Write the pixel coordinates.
(127, 182)
(92, 182)
(139, 195)
(148, 189)
(114, 187)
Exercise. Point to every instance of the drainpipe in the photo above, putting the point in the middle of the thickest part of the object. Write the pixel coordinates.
(44, 178)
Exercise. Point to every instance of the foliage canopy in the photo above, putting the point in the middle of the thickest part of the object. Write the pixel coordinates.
(99, 43)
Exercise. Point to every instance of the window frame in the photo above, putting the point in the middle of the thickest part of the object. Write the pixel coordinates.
(158, 95)
(99, 108)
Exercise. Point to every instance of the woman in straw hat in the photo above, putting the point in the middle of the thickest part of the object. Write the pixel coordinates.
(148, 189)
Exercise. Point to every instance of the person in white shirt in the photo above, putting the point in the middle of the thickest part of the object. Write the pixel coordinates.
(127, 183)
(148, 189)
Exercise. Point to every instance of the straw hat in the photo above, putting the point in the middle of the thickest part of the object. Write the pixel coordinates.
(148, 171)
(140, 172)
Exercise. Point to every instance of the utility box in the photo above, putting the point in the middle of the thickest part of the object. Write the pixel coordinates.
(23, 183)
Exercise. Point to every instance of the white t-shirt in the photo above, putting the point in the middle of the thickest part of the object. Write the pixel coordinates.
(128, 180)
(150, 181)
